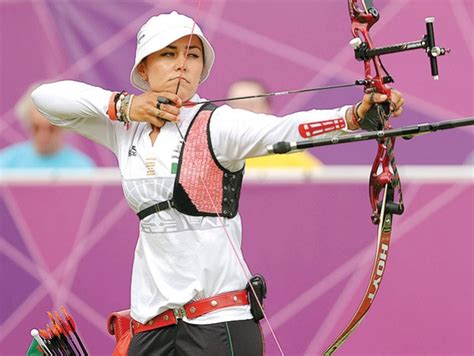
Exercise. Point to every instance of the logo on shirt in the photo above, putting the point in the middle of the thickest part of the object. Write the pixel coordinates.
(132, 151)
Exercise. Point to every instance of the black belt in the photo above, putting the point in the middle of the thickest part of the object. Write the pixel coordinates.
(164, 205)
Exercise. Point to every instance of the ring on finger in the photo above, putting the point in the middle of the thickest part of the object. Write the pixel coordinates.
(161, 100)
(159, 103)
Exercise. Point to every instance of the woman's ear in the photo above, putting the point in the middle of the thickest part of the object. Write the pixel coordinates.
(142, 70)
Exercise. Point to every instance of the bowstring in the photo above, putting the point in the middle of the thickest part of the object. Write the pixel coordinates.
(276, 93)
(221, 220)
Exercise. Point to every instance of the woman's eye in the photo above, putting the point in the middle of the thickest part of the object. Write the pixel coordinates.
(193, 55)
(167, 54)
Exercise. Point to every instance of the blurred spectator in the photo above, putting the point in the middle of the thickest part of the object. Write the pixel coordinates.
(262, 105)
(246, 88)
(45, 148)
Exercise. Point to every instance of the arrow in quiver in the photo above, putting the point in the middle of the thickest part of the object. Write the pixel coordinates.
(58, 338)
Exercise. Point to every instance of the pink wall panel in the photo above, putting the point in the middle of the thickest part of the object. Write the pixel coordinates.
(73, 245)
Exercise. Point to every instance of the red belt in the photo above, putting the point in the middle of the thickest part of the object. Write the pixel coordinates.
(192, 310)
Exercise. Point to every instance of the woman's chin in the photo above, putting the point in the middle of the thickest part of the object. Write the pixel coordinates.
(185, 94)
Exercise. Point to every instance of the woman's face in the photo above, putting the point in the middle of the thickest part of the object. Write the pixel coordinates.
(163, 69)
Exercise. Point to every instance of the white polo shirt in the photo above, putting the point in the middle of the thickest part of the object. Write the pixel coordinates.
(178, 258)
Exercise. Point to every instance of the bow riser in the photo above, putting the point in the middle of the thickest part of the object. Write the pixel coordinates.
(362, 21)
(376, 78)
(378, 180)
(373, 82)
(366, 17)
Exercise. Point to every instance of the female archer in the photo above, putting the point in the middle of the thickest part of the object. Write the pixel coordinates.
(182, 163)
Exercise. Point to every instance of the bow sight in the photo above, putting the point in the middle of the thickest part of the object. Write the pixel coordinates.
(364, 53)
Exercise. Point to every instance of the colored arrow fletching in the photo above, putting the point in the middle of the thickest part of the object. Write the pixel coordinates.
(44, 334)
(50, 332)
(51, 317)
(69, 319)
(55, 331)
(65, 327)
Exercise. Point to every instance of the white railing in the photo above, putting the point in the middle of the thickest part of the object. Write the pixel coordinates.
(325, 174)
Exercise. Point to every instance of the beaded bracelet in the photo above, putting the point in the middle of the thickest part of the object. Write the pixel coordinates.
(129, 108)
(118, 104)
(124, 108)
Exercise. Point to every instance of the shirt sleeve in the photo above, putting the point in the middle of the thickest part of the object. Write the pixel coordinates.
(240, 134)
(80, 107)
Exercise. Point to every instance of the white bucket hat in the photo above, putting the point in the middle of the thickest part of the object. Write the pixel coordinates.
(158, 32)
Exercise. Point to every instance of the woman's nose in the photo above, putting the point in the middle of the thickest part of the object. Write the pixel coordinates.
(181, 62)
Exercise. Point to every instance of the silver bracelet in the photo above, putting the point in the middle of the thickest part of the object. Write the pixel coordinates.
(129, 109)
(120, 107)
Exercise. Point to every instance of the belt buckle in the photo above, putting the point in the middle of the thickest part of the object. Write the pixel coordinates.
(179, 313)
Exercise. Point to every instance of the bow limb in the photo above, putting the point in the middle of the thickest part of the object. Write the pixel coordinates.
(383, 244)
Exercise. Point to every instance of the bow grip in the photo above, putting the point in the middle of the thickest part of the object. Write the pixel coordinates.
(378, 114)
(374, 120)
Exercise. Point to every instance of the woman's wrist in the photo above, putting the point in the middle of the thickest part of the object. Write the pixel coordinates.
(353, 118)
(356, 113)
(112, 107)
(119, 108)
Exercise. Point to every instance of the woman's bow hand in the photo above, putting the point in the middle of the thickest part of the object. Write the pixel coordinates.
(357, 115)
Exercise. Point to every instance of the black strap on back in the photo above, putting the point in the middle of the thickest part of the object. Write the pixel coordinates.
(164, 205)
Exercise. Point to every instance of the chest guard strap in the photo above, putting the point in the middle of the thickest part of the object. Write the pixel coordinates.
(202, 185)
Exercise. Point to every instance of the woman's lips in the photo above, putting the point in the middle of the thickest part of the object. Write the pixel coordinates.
(181, 78)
